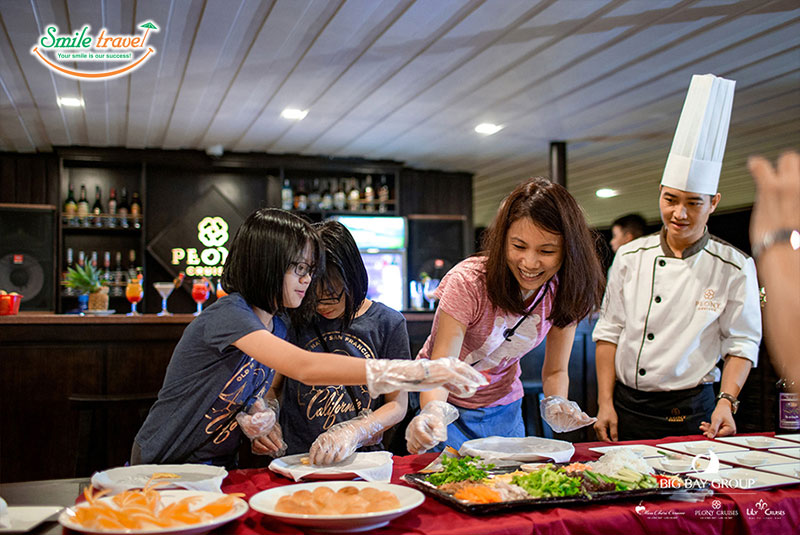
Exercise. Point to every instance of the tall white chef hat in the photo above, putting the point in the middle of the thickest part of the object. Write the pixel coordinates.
(695, 159)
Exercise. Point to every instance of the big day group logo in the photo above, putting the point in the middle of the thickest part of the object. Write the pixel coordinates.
(58, 52)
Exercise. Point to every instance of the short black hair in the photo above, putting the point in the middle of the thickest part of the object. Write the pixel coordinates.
(631, 223)
(343, 264)
(263, 248)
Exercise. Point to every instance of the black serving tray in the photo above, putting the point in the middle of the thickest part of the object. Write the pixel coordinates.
(418, 481)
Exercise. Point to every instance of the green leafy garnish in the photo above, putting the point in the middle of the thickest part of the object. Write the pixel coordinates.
(459, 469)
(546, 482)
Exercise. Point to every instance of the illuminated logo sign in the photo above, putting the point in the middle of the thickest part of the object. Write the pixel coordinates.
(58, 52)
(213, 234)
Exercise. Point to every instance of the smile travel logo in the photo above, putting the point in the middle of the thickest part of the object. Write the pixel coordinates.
(59, 52)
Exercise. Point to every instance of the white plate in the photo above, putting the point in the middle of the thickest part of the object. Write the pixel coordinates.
(702, 464)
(377, 463)
(167, 497)
(790, 469)
(794, 453)
(100, 312)
(757, 443)
(201, 477)
(697, 447)
(752, 459)
(745, 478)
(642, 450)
(25, 518)
(518, 449)
(793, 437)
(264, 502)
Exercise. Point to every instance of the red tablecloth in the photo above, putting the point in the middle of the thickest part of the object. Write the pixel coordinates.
(730, 511)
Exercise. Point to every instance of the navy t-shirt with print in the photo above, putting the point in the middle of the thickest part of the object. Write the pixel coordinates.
(308, 411)
(207, 380)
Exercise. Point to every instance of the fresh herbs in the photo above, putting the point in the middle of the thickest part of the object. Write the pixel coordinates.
(624, 479)
(459, 469)
(546, 482)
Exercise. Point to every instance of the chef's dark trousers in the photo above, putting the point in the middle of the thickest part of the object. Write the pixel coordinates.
(647, 415)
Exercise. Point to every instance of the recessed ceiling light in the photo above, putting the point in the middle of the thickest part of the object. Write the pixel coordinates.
(605, 193)
(294, 114)
(70, 102)
(487, 129)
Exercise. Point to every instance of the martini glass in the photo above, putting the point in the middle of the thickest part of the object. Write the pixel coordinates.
(164, 289)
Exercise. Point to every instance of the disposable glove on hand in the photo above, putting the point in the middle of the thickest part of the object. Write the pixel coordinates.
(343, 439)
(271, 444)
(563, 415)
(429, 427)
(387, 375)
(259, 419)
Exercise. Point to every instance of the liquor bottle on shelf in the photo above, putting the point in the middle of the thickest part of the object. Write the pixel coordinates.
(117, 289)
(132, 267)
(81, 258)
(83, 208)
(123, 209)
(301, 198)
(353, 197)
(93, 261)
(315, 196)
(112, 209)
(136, 210)
(369, 195)
(108, 276)
(383, 195)
(340, 197)
(788, 408)
(97, 208)
(287, 195)
(70, 208)
(67, 290)
(326, 200)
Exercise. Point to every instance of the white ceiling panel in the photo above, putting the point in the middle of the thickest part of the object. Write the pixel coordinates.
(409, 79)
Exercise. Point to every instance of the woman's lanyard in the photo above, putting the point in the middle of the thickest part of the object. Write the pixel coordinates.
(508, 333)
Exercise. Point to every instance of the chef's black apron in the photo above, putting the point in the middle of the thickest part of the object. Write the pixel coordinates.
(648, 415)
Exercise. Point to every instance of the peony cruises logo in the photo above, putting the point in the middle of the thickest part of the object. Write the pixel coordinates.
(58, 52)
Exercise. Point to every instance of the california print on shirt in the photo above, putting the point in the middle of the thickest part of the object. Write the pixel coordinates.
(322, 404)
(233, 394)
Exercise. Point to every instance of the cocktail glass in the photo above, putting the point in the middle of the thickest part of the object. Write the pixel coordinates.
(220, 292)
(428, 288)
(164, 289)
(200, 292)
(134, 293)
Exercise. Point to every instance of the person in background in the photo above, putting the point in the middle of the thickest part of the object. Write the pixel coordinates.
(679, 300)
(228, 355)
(626, 229)
(333, 421)
(537, 277)
(775, 239)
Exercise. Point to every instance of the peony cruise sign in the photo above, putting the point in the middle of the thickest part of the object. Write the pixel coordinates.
(59, 52)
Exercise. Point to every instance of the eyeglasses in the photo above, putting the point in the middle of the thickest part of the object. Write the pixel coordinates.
(331, 300)
(301, 269)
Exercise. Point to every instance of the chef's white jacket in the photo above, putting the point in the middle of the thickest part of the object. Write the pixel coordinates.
(672, 319)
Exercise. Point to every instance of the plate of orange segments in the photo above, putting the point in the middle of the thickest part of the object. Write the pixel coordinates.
(184, 512)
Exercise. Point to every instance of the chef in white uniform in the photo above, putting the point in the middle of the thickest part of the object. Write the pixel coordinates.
(679, 300)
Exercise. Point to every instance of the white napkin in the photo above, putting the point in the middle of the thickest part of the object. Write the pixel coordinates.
(200, 477)
(369, 466)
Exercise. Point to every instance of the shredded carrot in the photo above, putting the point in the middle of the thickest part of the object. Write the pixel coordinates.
(577, 467)
(478, 494)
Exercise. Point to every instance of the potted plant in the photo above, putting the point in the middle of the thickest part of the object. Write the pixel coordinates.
(87, 281)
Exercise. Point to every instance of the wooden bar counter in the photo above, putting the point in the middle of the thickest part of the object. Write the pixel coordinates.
(113, 363)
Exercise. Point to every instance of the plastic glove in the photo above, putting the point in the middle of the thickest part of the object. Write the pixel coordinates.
(271, 444)
(259, 419)
(429, 427)
(563, 415)
(386, 375)
(343, 439)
